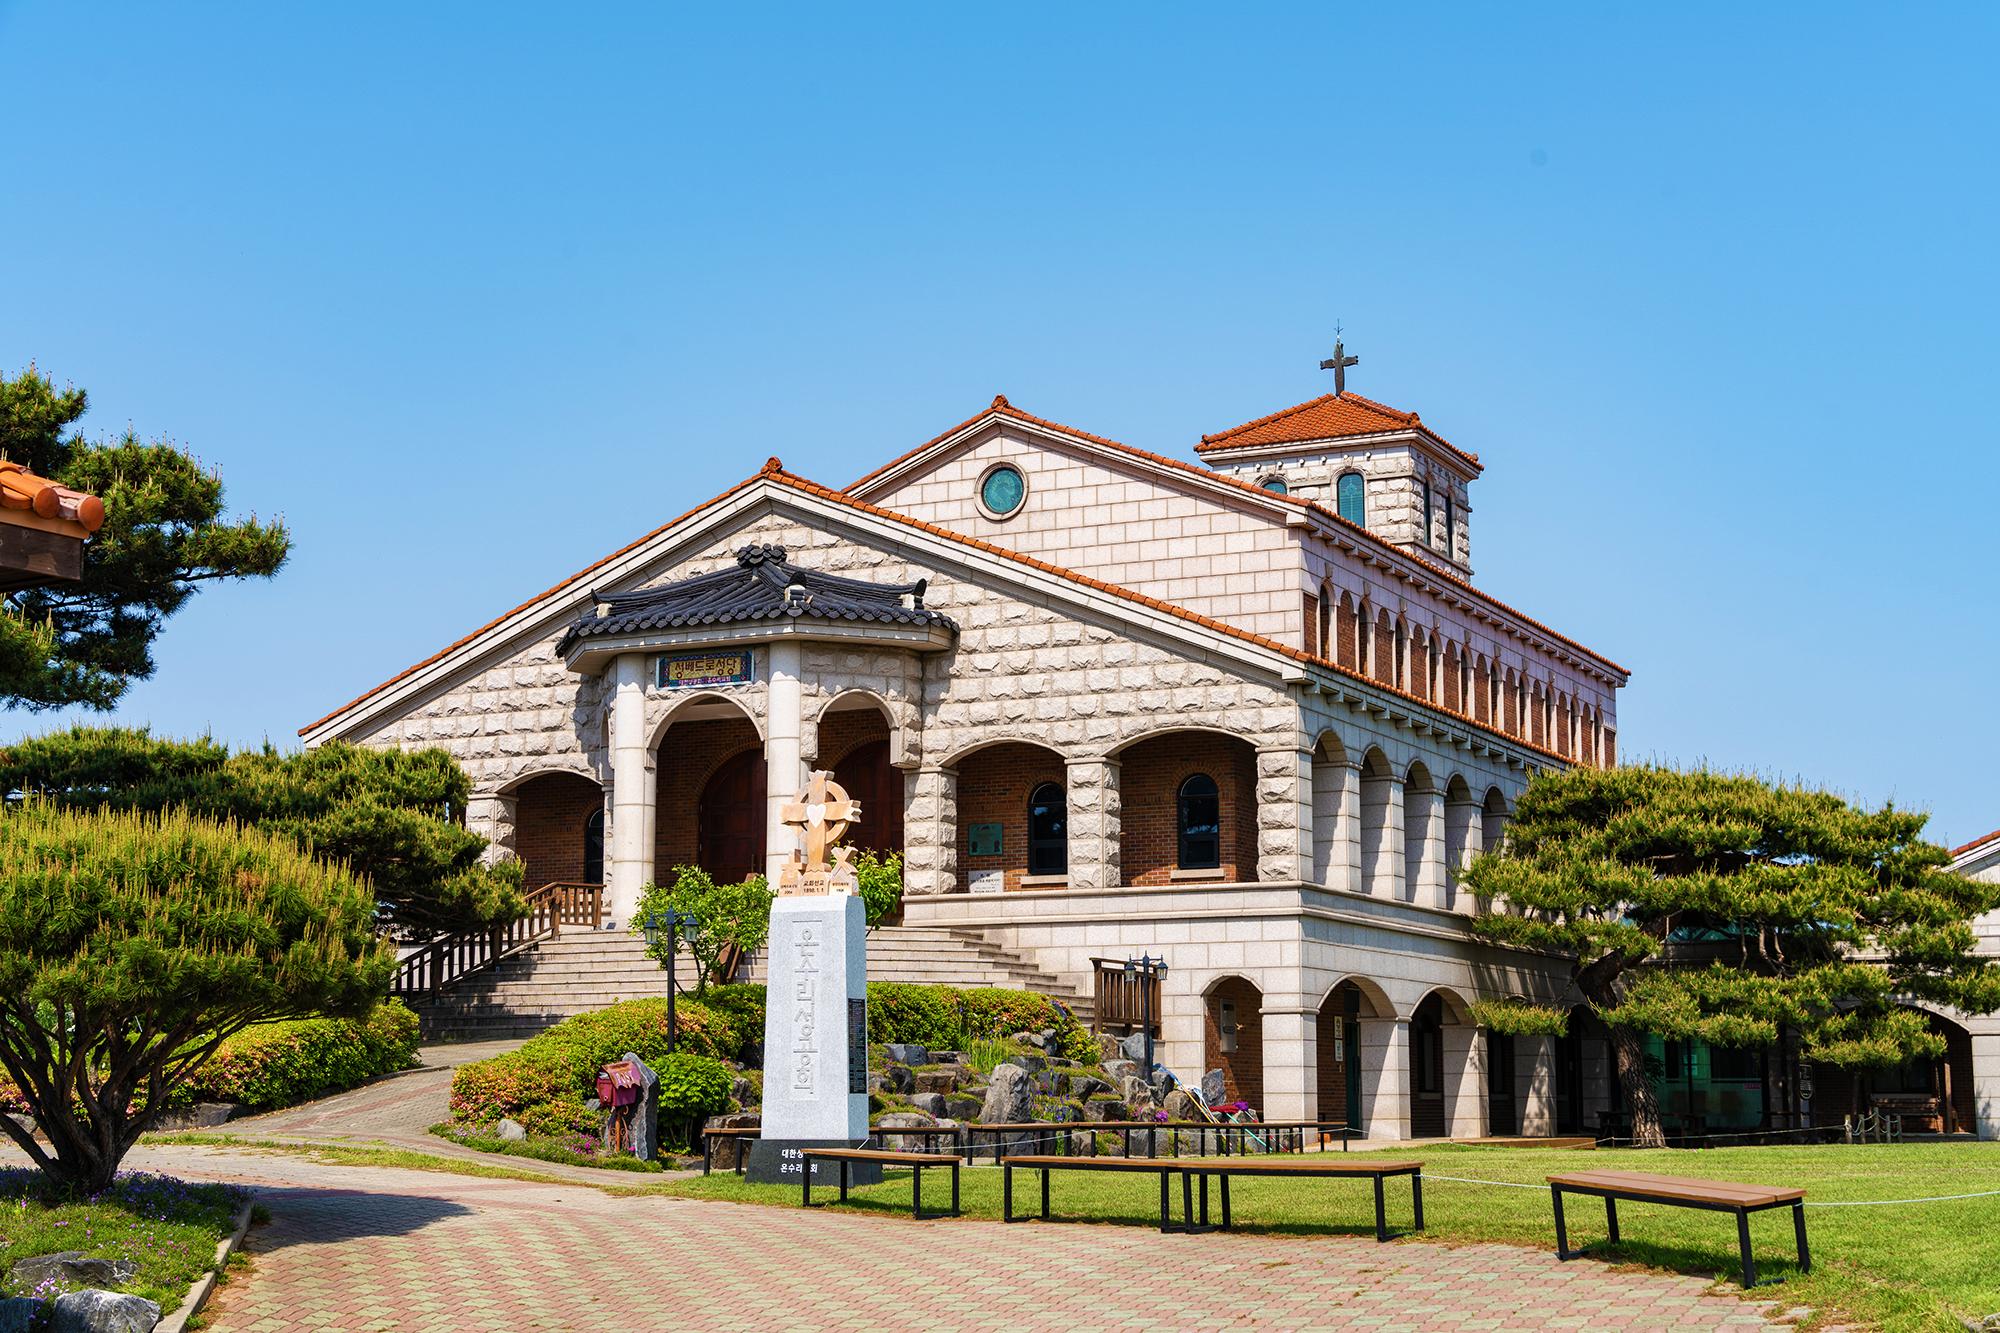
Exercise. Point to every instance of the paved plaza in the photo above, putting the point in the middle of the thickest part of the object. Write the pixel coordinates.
(354, 1248)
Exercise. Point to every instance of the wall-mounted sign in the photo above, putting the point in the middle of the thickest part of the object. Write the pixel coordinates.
(681, 671)
(982, 840)
(986, 881)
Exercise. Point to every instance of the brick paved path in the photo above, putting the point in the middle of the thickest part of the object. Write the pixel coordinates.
(366, 1248)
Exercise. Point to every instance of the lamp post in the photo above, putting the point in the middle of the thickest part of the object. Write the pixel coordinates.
(1147, 970)
(670, 925)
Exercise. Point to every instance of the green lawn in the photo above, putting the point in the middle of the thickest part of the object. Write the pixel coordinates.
(1908, 1268)
(168, 1227)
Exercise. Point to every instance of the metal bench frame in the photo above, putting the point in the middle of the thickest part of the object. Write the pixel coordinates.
(1224, 1172)
(1163, 1169)
(843, 1156)
(1633, 1195)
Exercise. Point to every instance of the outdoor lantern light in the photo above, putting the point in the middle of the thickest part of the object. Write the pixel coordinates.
(1146, 969)
(670, 927)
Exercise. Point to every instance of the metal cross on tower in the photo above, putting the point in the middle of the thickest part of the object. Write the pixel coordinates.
(1338, 364)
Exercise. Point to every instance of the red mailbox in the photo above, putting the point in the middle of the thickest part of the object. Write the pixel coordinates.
(618, 1084)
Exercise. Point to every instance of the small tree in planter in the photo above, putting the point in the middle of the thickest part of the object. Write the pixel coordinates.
(132, 945)
(728, 916)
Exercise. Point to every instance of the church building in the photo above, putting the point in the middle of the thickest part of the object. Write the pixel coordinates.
(1248, 714)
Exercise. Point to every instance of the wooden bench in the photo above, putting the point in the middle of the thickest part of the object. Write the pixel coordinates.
(737, 1132)
(916, 1161)
(1717, 1196)
(1324, 1167)
(1046, 1164)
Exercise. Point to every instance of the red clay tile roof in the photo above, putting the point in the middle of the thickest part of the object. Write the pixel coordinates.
(22, 489)
(1001, 407)
(1976, 844)
(1331, 416)
(773, 471)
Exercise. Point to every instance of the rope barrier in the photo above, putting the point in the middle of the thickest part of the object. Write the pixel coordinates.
(1502, 1184)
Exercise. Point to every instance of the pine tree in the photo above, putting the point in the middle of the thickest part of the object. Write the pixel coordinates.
(163, 537)
(1816, 917)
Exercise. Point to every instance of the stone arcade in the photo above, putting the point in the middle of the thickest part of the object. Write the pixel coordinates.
(1250, 715)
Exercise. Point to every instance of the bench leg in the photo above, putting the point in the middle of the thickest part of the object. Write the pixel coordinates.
(1562, 1232)
(1381, 1214)
(843, 1180)
(955, 1212)
(806, 1181)
(1743, 1242)
(916, 1192)
(1006, 1192)
(1225, 1201)
(1799, 1229)
(1045, 1194)
(1204, 1200)
(1417, 1196)
(707, 1154)
(1187, 1199)
(1611, 1217)
(1166, 1205)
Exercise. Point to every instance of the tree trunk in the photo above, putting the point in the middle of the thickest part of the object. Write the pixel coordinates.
(1640, 1099)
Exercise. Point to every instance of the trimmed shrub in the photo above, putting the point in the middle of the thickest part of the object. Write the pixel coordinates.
(742, 1005)
(692, 1088)
(545, 1083)
(271, 1065)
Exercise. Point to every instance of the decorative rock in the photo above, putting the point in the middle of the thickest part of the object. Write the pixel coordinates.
(930, 1103)
(20, 1314)
(742, 1091)
(104, 1312)
(1029, 1039)
(1119, 1070)
(1010, 1096)
(1108, 1047)
(1134, 1048)
(1082, 1086)
(71, 1268)
(899, 1079)
(907, 1053)
(934, 1080)
(963, 1108)
(906, 1120)
(1033, 1064)
(1049, 1040)
(510, 1130)
(1180, 1106)
(947, 1057)
(1214, 1088)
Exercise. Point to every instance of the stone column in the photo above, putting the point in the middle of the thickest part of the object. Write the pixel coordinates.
(1986, 1083)
(1462, 839)
(930, 831)
(1385, 1077)
(491, 816)
(1535, 1076)
(1464, 1081)
(634, 790)
(1095, 823)
(1291, 1064)
(1423, 850)
(784, 765)
(1382, 837)
(1284, 814)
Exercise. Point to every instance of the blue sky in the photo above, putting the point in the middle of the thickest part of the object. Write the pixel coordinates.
(473, 294)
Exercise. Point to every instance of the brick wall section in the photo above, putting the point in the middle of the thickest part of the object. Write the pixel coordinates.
(1349, 635)
(1150, 777)
(549, 815)
(1312, 625)
(1385, 649)
(1243, 1069)
(847, 730)
(690, 753)
(993, 788)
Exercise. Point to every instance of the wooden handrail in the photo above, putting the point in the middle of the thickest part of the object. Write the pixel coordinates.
(443, 962)
(1122, 999)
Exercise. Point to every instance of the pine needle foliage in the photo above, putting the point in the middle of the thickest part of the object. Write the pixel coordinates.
(164, 536)
(1725, 908)
(132, 944)
(395, 816)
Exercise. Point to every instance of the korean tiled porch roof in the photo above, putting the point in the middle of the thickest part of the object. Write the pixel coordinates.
(21, 489)
(1332, 416)
(1976, 844)
(762, 585)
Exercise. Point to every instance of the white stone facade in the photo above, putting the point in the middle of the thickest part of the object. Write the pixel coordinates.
(1136, 622)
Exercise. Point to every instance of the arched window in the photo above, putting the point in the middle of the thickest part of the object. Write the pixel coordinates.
(1200, 824)
(593, 848)
(1276, 485)
(1048, 830)
(1353, 504)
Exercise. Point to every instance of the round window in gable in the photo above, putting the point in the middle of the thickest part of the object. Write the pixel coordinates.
(1001, 491)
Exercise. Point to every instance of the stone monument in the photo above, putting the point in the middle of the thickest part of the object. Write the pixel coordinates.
(816, 1012)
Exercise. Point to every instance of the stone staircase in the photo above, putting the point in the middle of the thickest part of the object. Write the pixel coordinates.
(583, 970)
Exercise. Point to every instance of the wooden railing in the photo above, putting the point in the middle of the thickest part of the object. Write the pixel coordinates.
(442, 963)
(1124, 1001)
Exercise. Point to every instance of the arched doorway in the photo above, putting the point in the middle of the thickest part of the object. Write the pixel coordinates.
(1427, 1100)
(1234, 1032)
(559, 830)
(866, 775)
(729, 819)
(1339, 1055)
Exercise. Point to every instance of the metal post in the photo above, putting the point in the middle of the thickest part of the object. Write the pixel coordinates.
(673, 948)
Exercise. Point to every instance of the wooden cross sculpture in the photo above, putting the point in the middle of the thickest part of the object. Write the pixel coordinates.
(822, 815)
(1338, 364)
